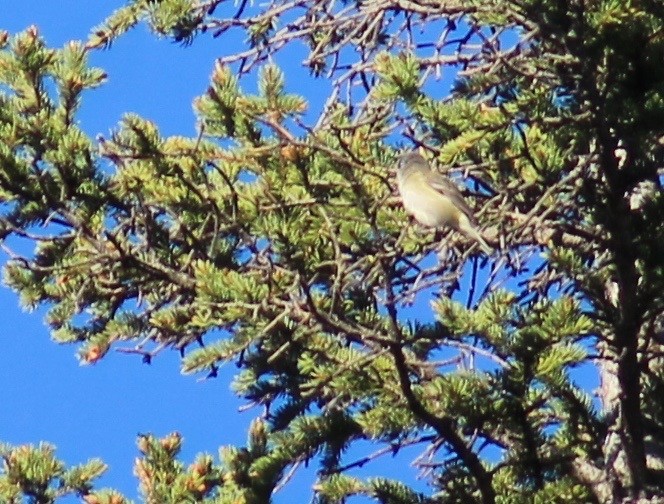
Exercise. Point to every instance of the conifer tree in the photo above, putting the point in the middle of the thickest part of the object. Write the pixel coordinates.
(275, 240)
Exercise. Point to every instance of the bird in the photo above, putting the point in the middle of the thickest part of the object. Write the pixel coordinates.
(433, 200)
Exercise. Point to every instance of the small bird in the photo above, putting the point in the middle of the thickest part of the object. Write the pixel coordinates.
(434, 200)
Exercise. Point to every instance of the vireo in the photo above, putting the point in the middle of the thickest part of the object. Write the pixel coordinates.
(434, 200)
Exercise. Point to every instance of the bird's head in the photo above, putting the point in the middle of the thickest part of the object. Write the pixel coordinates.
(411, 159)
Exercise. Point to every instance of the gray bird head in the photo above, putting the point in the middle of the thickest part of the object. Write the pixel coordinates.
(409, 163)
(411, 159)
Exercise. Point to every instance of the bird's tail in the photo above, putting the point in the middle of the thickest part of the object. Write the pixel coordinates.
(467, 228)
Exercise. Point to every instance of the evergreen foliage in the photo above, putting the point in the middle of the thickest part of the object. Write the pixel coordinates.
(276, 242)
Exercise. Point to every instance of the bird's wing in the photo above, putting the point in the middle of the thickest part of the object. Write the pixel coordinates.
(449, 189)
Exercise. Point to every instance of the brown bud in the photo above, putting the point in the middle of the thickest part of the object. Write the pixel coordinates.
(143, 444)
(170, 442)
(94, 353)
(290, 153)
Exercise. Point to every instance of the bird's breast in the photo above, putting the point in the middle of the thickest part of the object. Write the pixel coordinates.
(428, 206)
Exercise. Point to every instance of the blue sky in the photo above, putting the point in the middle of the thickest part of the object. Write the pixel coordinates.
(97, 411)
